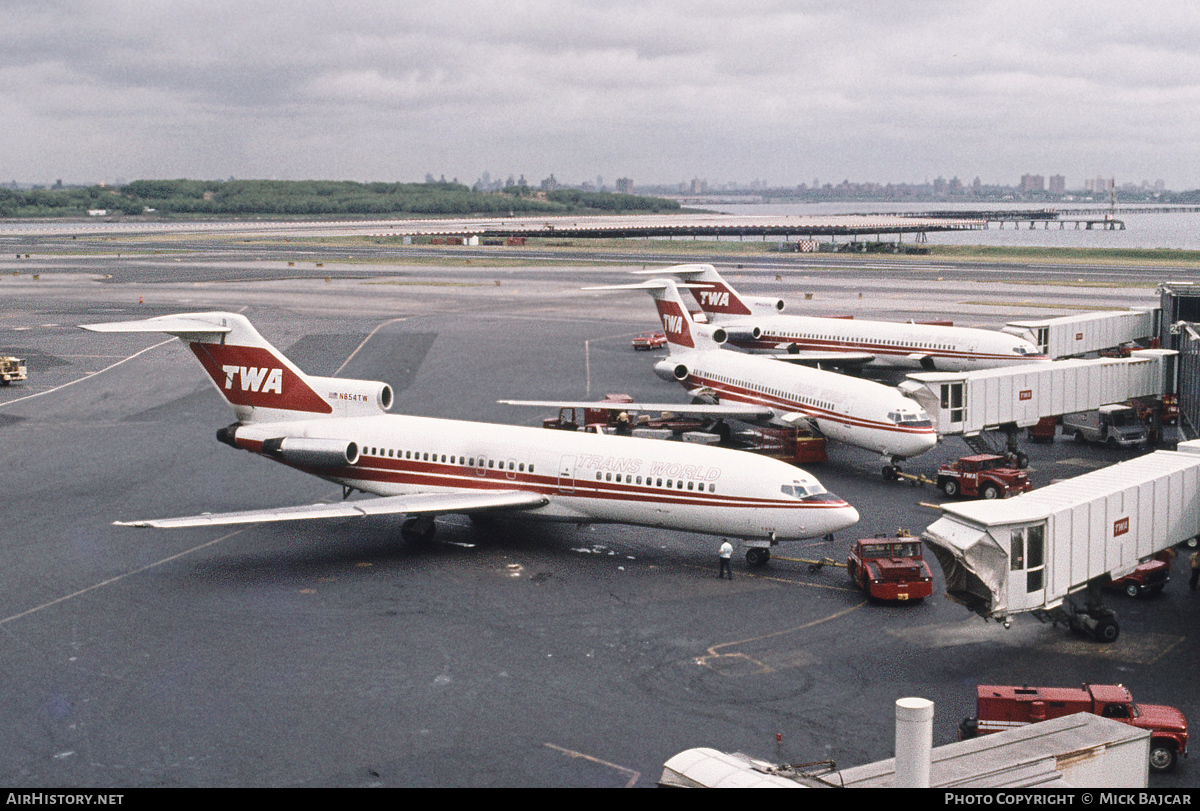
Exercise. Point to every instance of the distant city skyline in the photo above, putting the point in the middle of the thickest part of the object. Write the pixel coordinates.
(659, 91)
(1027, 184)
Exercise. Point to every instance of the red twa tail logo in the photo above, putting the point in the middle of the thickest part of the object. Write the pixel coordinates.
(253, 376)
(674, 321)
(719, 298)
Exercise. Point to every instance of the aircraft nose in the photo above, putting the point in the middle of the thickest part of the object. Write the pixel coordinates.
(919, 443)
(844, 517)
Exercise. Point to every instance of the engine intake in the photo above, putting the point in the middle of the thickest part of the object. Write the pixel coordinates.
(673, 372)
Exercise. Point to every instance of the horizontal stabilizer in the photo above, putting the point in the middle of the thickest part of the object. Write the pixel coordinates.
(416, 504)
(169, 324)
(677, 270)
(649, 284)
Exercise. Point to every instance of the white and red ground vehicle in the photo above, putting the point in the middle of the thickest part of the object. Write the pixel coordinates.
(1150, 577)
(984, 475)
(999, 708)
(890, 568)
(649, 340)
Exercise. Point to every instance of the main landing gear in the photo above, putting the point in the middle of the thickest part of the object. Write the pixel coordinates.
(418, 529)
(759, 552)
(756, 556)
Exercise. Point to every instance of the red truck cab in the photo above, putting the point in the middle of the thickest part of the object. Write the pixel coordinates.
(999, 708)
(890, 568)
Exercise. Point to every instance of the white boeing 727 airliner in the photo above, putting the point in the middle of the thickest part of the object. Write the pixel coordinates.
(757, 324)
(423, 467)
(733, 384)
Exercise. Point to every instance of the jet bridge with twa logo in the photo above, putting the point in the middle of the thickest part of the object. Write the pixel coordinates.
(1006, 399)
(1050, 551)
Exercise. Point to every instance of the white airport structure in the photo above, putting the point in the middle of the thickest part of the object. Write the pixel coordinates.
(1074, 335)
(967, 403)
(1039, 551)
(1075, 751)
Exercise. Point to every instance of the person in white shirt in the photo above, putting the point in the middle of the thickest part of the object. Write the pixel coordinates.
(725, 554)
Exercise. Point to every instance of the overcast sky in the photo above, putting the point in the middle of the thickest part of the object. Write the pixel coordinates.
(660, 92)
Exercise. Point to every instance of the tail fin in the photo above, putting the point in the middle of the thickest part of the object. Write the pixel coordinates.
(254, 378)
(681, 331)
(714, 295)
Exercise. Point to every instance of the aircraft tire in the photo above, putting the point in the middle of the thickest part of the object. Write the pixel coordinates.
(757, 557)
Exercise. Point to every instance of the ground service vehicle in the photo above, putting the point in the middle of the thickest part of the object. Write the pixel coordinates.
(984, 475)
(1117, 426)
(890, 568)
(649, 340)
(1000, 708)
(1148, 578)
(12, 369)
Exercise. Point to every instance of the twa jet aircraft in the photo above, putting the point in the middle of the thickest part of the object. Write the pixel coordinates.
(422, 467)
(756, 324)
(848, 409)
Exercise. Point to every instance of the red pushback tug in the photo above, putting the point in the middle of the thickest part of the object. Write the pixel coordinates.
(983, 475)
(1000, 708)
(890, 568)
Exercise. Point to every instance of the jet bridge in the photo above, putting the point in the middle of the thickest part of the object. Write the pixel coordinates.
(1075, 335)
(1039, 551)
(1012, 397)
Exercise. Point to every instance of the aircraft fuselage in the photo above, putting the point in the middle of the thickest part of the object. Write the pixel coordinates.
(585, 477)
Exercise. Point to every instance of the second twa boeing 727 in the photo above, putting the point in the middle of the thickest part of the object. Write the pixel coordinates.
(757, 324)
(732, 384)
(423, 467)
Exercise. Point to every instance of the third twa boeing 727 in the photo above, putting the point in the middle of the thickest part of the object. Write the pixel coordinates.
(732, 384)
(756, 324)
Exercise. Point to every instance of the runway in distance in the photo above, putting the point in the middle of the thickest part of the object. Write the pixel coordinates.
(757, 324)
(422, 467)
(748, 387)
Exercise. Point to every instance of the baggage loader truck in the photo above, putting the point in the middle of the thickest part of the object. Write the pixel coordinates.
(1050, 552)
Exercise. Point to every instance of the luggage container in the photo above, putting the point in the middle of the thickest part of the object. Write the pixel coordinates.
(1044, 551)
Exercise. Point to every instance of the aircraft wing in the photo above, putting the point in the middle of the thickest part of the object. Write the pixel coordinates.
(416, 504)
(742, 411)
(810, 357)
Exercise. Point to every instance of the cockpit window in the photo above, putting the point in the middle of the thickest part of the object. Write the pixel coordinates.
(911, 419)
(802, 490)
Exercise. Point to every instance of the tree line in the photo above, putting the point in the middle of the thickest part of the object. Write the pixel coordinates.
(314, 198)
